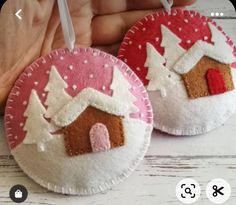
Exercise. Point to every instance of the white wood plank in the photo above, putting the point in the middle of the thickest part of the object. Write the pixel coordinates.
(153, 182)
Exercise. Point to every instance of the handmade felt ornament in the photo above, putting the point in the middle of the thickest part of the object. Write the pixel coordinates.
(187, 64)
(78, 121)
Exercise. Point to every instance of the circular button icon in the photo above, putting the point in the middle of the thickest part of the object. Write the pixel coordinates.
(218, 191)
(18, 193)
(188, 191)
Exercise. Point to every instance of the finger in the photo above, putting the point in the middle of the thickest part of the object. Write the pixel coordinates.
(20, 40)
(112, 49)
(115, 6)
(110, 29)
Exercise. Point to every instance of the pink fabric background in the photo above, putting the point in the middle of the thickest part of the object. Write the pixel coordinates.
(148, 30)
(36, 77)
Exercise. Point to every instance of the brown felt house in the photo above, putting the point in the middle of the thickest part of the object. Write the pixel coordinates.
(85, 110)
(206, 70)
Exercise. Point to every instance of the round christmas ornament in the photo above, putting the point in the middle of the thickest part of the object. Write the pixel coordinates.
(187, 64)
(78, 121)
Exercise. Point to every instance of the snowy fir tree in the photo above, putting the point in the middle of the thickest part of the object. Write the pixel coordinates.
(173, 51)
(36, 126)
(121, 90)
(57, 96)
(158, 75)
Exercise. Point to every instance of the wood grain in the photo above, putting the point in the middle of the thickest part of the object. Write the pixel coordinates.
(168, 160)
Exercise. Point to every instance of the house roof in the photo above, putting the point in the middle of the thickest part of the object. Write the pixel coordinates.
(200, 49)
(88, 97)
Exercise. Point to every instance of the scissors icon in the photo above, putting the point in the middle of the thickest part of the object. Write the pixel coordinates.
(217, 191)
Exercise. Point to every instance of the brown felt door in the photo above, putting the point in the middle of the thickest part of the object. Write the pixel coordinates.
(215, 81)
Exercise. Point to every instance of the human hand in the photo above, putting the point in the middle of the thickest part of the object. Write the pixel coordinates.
(97, 23)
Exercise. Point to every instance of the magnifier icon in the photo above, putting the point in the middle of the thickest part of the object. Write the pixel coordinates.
(188, 191)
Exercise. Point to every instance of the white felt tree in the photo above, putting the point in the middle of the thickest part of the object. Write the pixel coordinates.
(57, 96)
(218, 38)
(158, 75)
(36, 126)
(173, 51)
(121, 90)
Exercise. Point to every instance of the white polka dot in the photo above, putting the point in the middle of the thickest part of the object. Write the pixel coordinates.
(204, 23)
(85, 61)
(180, 29)
(29, 74)
(17, 93)
(168, 23)
(65, 77)
(47, 72)
(130, 42)
(141, 115)
(188, 41)
(21, 124)
(75, 52)
(11, 117)
(103, 87)
(36, 83)
(157, 39)
(140, 47)
(43, 94)
(125, 60)
(91, 76)
(61, 57)
(144, 29)
(74, 87)
(186, 20)
(106, 65)
(125, 74)
(191, 15)
(95, 54)
(25, 103)
(138, 69)
(196, 29)
(16, 137)
(70, 67)
(134, 88)
(205, 38)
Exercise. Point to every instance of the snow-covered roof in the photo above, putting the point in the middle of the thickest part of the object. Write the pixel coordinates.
(88, 97)
(200, 49)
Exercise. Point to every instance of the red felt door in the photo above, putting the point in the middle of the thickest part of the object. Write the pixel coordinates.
(215, 81)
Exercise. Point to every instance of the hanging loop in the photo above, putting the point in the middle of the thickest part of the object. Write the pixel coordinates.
(66, 24)
(167, 4)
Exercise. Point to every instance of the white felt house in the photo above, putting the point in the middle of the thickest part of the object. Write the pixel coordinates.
(205, 69)
(91, 121)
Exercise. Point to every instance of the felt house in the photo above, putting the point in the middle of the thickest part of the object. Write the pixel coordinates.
(91, 122)
(205, 70)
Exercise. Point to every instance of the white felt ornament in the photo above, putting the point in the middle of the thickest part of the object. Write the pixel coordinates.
(36, 126)
(158, 75)
(200, 54)
(121, 90)
(57, 97)
(170, 41)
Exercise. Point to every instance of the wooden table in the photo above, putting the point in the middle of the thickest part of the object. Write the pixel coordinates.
(168, 160)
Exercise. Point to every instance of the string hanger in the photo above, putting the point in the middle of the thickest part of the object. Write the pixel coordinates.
(66, 24)
(167, 4)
